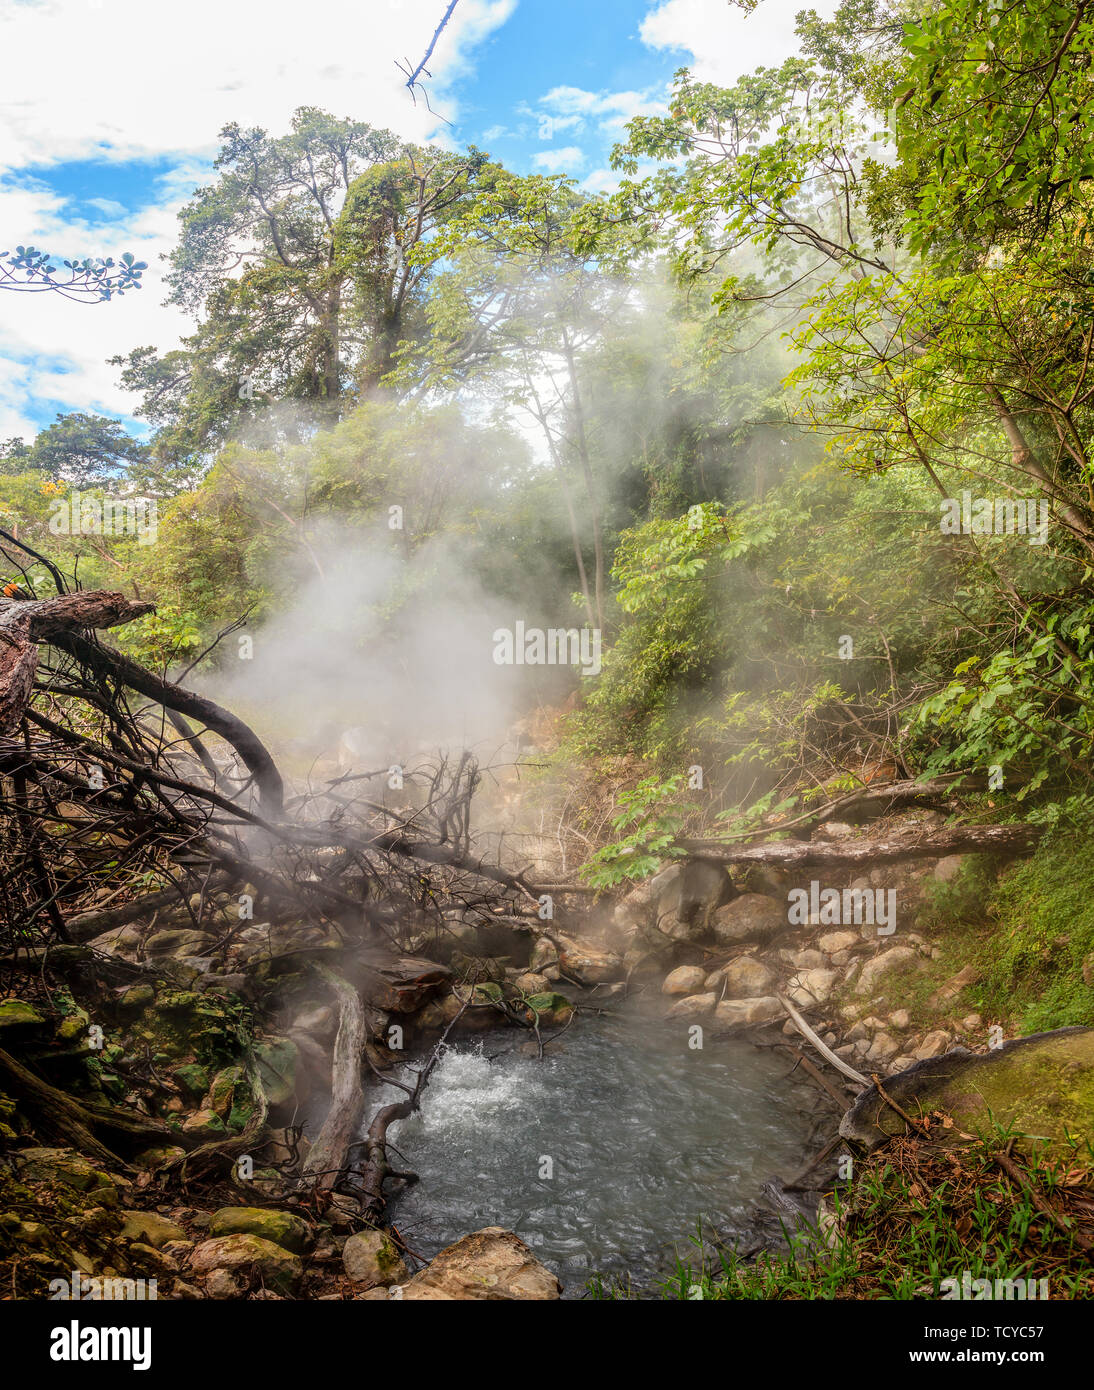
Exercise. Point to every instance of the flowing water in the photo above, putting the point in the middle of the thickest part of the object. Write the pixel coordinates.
(645, 1139)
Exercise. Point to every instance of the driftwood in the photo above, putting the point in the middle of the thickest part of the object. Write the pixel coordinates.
(824, 1050)
(796, 854)
(327, 1156)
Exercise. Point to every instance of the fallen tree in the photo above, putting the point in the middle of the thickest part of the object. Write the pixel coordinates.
(852, 852)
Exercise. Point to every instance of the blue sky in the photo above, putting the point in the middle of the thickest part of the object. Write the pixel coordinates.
(112, 108)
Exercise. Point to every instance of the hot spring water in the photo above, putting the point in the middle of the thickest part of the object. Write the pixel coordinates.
(604, 1156)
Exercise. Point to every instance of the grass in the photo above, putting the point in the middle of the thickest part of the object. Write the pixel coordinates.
(917, 1212)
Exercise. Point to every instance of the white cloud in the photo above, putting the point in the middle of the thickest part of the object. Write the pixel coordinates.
(566, 157)
(720, 42)
(126, 80)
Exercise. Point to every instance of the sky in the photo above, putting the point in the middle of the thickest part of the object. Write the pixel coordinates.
(111, 110)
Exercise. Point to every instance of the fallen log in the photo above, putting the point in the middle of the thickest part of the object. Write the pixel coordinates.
(796, 854)
(85, 925)
(325, 1161)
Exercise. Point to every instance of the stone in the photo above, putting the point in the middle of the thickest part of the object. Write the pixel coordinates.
(809, 960)
(971, 1022)
(150, 1229)
(903, 1063)
(15, 1013)
(812, 987)
(947, 869)
(222, 1284)
(694, 1006)
(750, 917)
(179, 942)
(587, 964)
(731, 1012)
(544, 952)
(880, 965)
(833, 830)
(900, 1018)
(247, 1256)
(70, 1168)
(831, 943)
(530, 983)
(685, 979)
(883, 1048)
(491, 1264)
(371, 1257)
(551, 1008)
(933, 1045)
(206, 1123)
(748, 978)
(279, 1227)
(277, 1059)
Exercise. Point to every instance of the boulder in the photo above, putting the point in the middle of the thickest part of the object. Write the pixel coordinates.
(246, 1256)
(150, 1229)
(491, 1264)
(731, 1012)
(833, 942)
(16, 1014)
(694, 1006)
(587, 964)
(748, 978)
(371, 1257)
(750, 917)
(279, 1227)
(180, 941)
(686, 979)
(880, 965)
(531, 983)
(811, 987)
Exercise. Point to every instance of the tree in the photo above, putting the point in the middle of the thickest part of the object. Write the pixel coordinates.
(298, 258)
(79, 449)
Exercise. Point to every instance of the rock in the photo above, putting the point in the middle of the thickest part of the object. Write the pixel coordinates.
(900, 1018)
(751, 917)
(15, 1014)
(490, 1264)
(222, 1284)
(971, 1022)
(883, 1048)
(531, 983)
(551, 1008)
(953, 986)
(277, 1059)
(544, 952)
(833, 830)
(278, 1227)
(587, 964)
(748, 978)
(370, 1257)
(811, 987)
(880, 965)
(903, 1063)
(835, 941)
(684, 898)
(933, 1045)
(248, 1256)
(150, 1229)
(68, 1167)
(694, 1006)
(731, 1012)
(809, 960)
(206, 1123)
(686, 979)
(947, 869)
(179, 941)
(1040, 1089)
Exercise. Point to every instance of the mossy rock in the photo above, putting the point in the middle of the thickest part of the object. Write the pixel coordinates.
(137, 999)
(249, 1256)
(148, 1228)
(193, 1078)
(16, 1013)
(68, 1167)
(277, 1060)
(551, 1007)
(1040, 1088)
(206, 1124)
(280, 1227)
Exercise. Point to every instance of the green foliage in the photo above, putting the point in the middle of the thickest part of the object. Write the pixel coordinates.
(652, 817)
